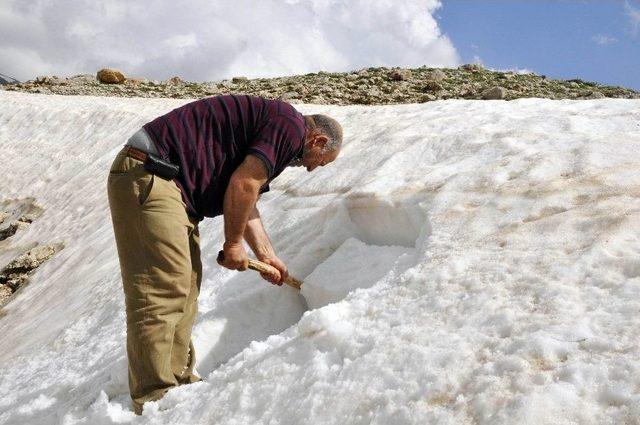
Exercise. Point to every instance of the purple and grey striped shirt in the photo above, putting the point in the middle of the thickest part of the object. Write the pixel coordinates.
(209, 139)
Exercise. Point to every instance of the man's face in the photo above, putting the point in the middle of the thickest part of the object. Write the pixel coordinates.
(315, 154)
(318, 157)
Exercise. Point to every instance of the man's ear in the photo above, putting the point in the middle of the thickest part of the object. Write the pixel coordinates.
(320, 141)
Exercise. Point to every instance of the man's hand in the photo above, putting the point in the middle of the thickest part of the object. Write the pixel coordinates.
(283, 273)
(235, 257)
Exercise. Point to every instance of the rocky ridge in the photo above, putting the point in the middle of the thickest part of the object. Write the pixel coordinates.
(363, 87)
(16, 274)
(15, 216)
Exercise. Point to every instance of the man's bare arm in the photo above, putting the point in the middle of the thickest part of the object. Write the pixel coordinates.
(256, 236)
(239, 201)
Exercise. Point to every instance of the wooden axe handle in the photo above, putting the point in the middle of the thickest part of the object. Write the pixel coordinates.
(259, 266)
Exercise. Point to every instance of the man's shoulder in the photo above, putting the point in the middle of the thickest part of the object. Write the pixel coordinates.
(282, 122)
(269, 108)
(279, 108)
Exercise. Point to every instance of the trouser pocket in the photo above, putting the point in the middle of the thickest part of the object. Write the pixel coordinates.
(144, 187)
(120, 164)
(129, 181)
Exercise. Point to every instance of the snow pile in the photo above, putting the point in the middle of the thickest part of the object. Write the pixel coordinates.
(466, 262)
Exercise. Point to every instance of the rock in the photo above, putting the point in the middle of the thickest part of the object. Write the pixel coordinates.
(110, 76)
(596, 95)
(432, 86)
(436, 75)
(82, 77)
(8, 231)
(302, 89)
(468, 94)
(290, 95)
(494, 93)
(399, 75)
(427, 98)
(44, 80)
(317, 100)
(239, 80)
(374, 92)
(175, 81)
(5, 294)
(471, 67)
(17, 272)
(135, 81)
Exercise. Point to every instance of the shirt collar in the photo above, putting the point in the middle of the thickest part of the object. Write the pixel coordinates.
(300, 153)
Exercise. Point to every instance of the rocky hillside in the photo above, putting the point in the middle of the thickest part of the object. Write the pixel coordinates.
(366, 86)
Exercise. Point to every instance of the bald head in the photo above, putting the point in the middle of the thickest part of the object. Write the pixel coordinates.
(326, 126)
(322, 142)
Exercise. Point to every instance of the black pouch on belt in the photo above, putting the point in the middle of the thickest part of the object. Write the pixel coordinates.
(161, 168)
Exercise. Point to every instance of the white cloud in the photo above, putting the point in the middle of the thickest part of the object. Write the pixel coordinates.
(603, 40)
(516, 70)
(13, 61)
(633, 13)
(212, 40)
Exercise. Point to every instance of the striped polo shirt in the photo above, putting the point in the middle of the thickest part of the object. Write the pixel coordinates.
(209, 139)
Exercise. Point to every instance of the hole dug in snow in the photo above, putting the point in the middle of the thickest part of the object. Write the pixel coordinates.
(354, 265)
(380, 236)
(385, 222)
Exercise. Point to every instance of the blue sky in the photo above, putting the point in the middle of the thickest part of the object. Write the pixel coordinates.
(594, 40)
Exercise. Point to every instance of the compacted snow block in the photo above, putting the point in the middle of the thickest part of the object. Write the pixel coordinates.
(353, 265)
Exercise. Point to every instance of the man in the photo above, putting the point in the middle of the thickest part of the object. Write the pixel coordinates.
(209, 157)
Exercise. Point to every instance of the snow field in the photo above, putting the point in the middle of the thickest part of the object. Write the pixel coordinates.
(465, 262)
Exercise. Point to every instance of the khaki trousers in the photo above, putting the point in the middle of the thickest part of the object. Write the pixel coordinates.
(159, 251)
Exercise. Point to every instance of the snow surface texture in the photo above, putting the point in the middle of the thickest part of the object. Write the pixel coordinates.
(508, 291)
